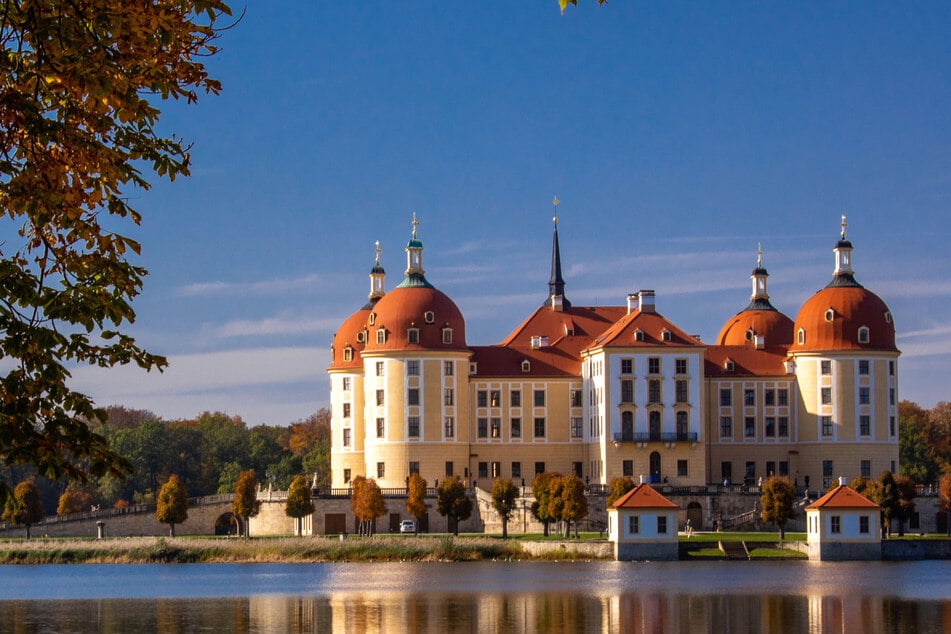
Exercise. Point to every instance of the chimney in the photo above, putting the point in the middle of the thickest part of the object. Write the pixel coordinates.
(631, 302)
(842, 481)
(646, 301)
(643, 479)
(759, 342)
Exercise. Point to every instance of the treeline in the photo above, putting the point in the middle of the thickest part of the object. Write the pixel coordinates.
(924, 441)
(207, 454)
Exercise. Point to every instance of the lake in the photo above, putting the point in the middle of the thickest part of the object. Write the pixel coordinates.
(715, 596)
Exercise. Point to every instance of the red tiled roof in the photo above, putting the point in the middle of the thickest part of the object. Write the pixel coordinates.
(652, 324)
(843, 497)
(775, 327)
(643, 496)
(853, 307)
(747, 361)
(577, 321)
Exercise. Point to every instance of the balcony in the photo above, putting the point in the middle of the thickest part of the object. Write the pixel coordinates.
(647, 437)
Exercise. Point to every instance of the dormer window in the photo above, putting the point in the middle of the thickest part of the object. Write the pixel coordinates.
(381, 336)
(801, 337)
(362, 336)
(526, 366)
(749, 335)
(473, 368)
(863, 334)
(830, 314)
(372, 319)
(412, 335)
(348, 354)
(665, 335)
(429, 316)
(638, 335)
(888, 317)
(728, 365)
(447, 335)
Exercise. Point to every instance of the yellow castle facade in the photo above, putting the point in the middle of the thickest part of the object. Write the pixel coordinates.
(608, 391)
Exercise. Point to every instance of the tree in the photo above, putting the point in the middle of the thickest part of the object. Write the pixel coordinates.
(366, 502)
(299, 504)
(617, 487)
(938, 434)
(245, 505)
(944, 493)
(74, 499)
(541, 492)
(171, 506)
(504, 494)
(416, 498)
(23, 507)
(915, 453)
(777, 503)
(574, 504)
(888, 499)
(907, 490)
(82, 82)
(452, 501)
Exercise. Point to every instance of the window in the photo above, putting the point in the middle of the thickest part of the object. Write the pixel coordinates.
(539, 467)
(726, 470)
(683, 425)
(827, 469)
(381, 336)
(783, 399)
(348, 354)
(863, 366)
(447, 368)
(627, 391)
(750, 471)
(412, 396)
(526, 366)
(680, 391)
(770, 430)
(653, 365)
(749, 427)
(362, 336)
(865, 468)
(516, 428)
(627, 468)
(749, 398)
(576, 398)
(447, 335)
(346, 384)
(539, 398)
(372, 318)
(379, 368)
(380, 428)
(783, 468)
(449, 468)
(483, 469)
(826, 395)
(346, 410)
(825, 367)
(661, 524)
(681, 468)
(865, 425)
(450, 427)
(653, 425)
(381, 470)
(627, 366)
(863, 524)
(891, 396)
(783, 426)
(482, 398)
(726, 426)
(412, 368)
(801, 337)
(769, 398)
(412, 424)
(726, 398)
(680, 366)
(633, 524)
(826, 425)
(346, 437)
(516, 398)
(412, 335)
(429, 317)
(496, 427)
(496, 469)
(380, 397)
(864, 396)
(891, 368)
(665, 335)
(863, 334)
(830, 314)
(495, 398)
(413, 467)
(346, 476)
(576, 428)
(638, 335)
(891, 425)
(835, 524)
(516, 469)
(653, 391)
(539, 428)
(448, 396)
(482, 428)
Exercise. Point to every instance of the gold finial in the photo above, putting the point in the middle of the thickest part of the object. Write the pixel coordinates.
(378, 251)
(415, 224)
(555, 201)
(844, 225)
(759, 255)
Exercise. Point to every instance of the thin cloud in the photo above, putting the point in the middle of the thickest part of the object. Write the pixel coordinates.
(276, 326)
(265, 287)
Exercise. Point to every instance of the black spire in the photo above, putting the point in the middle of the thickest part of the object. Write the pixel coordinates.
(556, 285)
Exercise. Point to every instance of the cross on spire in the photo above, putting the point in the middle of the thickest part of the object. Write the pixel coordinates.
(378, 251)
(844, 225)
(415, 224)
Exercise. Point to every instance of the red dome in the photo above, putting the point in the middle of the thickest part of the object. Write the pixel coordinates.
(775, 328)
(349, 335)
(427, 310)
(833, 318)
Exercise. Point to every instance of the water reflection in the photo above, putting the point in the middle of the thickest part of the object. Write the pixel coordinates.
(438, 613)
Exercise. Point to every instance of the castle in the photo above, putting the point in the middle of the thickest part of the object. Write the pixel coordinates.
(608, 391)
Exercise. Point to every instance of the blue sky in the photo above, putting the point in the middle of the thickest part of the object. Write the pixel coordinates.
(677, 135)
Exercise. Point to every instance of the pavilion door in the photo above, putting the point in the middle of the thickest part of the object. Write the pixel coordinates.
(655, 467)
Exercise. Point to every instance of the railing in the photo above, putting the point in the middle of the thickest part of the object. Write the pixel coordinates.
(656, 437)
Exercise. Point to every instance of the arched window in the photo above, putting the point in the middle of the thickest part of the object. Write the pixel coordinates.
(653, 420)
(412, 335)
(801, 337)
(381, 336)
(627, 426)
(863, 334)
(348, 354)
(447, 335)
(683, 424)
